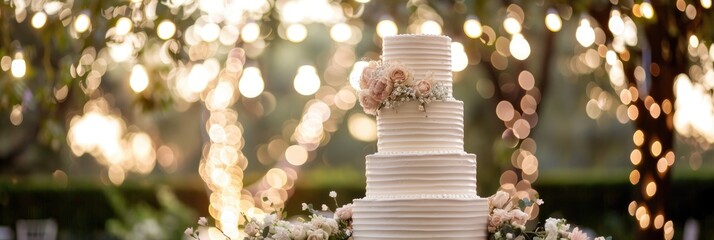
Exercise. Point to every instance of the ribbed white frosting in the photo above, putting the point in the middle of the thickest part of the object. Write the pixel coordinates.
(422, 54)
(420, 218)
(394, 175)
(440, 127)
(420, 183)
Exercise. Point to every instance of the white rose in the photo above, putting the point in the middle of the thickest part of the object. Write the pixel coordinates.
(297, 232)
(551, 228)
(251, 229)
(318, 234)
(328, 225)
(500, 199)
(281, 234)
(518, 217)
(344, 213)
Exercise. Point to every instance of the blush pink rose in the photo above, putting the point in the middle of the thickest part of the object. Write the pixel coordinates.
(367, 76)
(367, 102)
(422, 88)
(399, 74)
(578, 235)
(381, 89)
(496, 219)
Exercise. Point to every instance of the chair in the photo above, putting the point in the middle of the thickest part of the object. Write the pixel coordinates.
(36, 229)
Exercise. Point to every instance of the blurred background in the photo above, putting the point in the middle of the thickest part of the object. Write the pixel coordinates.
(130, 119)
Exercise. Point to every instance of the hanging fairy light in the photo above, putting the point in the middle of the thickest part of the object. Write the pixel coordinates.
(251, 83)
(250, 32)
(296, 32)
(459, 59)
(473, 28)
(616, 24)
(430, 27)
(386, 27)
(82, 23)
(553, 21)
(306, 80)
(519, 47)
(166, 29)
(512, 25)
(585, 35)
(341, 32)
(123, 26)
(39, 20)
(646, 9)
(139, 79)
(18, 67)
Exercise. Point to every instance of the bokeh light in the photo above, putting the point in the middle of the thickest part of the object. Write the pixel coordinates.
(251, 83)
(387, 28)
(306, 82)
(519, 47)
(473, 28)
(585, 33)
(296, 32)
(430, 27)
(166, 29)
(139, 79)
(553, 21)
(459, 59)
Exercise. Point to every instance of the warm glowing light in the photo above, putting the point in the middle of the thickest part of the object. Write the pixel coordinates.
(585, 34)
(296, 155)
(430, 27)
(706, 4)
(647, 10)
(341, 32)
(616, 24)
(656, 148)
(553, 21)
(251, 83)
(362, 127)
(356, 73)
(473, 28)
(39, 19)
(659, 221)
(387, 28)
(693, 41)
(638, 138)
(81, 23)
(651, 189)
(296, 32)
(250, 32)
(124, 26)
(139, 79)
(18, 67)
(276, 178)
(635, 157)
(306, 81)
(166, 29)
(512, 25)
(634, 177)
(210, 32)
(459, 59)
(662, 165)
(519, 47)
(16, 115)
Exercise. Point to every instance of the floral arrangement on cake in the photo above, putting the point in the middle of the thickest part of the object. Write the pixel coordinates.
(387, 84)
(506, 221)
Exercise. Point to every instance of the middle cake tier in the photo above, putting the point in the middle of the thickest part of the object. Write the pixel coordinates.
(421, 173)
(438, 127)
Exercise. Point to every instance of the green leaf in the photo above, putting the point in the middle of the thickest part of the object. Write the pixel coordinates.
(266, 231)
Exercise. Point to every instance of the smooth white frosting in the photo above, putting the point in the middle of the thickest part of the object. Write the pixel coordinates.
(395, 175)
(422, 54)
(420, 218)
(439, 127)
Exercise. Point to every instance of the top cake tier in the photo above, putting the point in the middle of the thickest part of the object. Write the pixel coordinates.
(422, 54)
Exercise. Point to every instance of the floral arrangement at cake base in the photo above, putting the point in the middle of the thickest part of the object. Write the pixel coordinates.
(507, 220)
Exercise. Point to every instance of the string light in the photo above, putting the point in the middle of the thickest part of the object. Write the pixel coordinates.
(18, 67)
(166, 29)
(386, 28)
(251, 83)
(616, 24)
(306, 80)
(706, 4)
(473, 28)
(82, 23)
(459, 59)
(139, 79)
(646, 9)
(123, 26)
(430, 27)
(341, 32)
(512, 25)
(553, 21)
(250, 32)
(296, 32)
(585, 35)
(39, 20)
(519, 47)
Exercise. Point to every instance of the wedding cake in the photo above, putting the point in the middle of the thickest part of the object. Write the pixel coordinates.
(420, 183)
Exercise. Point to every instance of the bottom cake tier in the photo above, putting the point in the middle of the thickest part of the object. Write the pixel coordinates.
(421, 217)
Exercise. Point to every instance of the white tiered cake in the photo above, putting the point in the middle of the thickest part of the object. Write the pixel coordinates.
(421, 184)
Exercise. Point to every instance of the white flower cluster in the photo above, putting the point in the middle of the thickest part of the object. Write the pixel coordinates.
(319, 227)
(507, 220)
